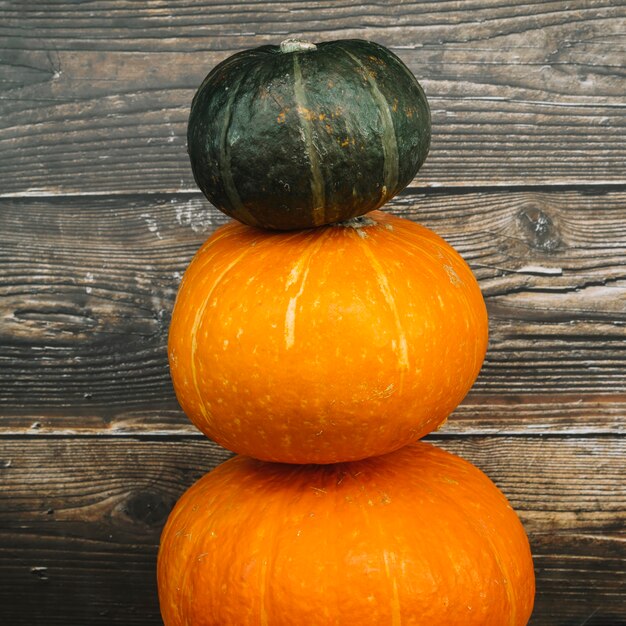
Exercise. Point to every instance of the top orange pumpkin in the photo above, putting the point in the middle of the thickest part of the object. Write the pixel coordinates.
(325, 345)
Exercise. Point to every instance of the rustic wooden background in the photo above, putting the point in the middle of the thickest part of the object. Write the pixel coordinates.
(99, 217)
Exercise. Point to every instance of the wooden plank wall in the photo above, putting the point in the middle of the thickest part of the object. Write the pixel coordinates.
(99, 217)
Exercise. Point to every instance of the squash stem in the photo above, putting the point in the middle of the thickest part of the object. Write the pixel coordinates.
(361, 221)
(296, 45)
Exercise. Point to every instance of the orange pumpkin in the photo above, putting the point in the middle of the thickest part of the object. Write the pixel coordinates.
(418, 536)
(325, 345)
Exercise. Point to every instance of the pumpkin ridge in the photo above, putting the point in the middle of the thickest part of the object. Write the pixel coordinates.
(194, 331)
(204, 259)
(415, 250)
(388, 137)
(506, 578)
(228, 230)
(396, 614)
(263, 593)
(220, 67)
(233, 229)
(383, 283)
(476, 527)
(394, 599)
(443, 254)
(407, 72)
(237, 206)
(304, 261)
(317, 181)
(453, 276)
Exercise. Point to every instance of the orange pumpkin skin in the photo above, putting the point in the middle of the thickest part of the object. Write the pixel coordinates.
(418, 536)
(325, 345)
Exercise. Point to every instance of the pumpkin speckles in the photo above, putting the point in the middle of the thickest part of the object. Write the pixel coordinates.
(346, 330)
(418, 536)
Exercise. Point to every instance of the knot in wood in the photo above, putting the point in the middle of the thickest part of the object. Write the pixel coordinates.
(147, 507)
(539, 229)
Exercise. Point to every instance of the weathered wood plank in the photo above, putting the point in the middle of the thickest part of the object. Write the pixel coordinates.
(80, 521)
(87, 286)
(94, 100)
(479, 414)
(96, 97)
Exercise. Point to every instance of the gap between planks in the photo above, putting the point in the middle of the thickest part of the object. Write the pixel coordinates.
(439, 188)
(177, 435)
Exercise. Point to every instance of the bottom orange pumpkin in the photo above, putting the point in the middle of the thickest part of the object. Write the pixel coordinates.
(418, 536)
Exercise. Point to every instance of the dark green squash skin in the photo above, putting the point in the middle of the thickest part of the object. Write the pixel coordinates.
(287, 140)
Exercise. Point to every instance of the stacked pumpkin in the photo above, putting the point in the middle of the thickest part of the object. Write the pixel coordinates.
(320, 338)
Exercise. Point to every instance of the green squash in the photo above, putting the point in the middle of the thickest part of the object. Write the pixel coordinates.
(300, 135)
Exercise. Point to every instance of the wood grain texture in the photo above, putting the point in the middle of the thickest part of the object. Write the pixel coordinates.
(87, 286)
(99, 217)
(95, 97)
(80, 520)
